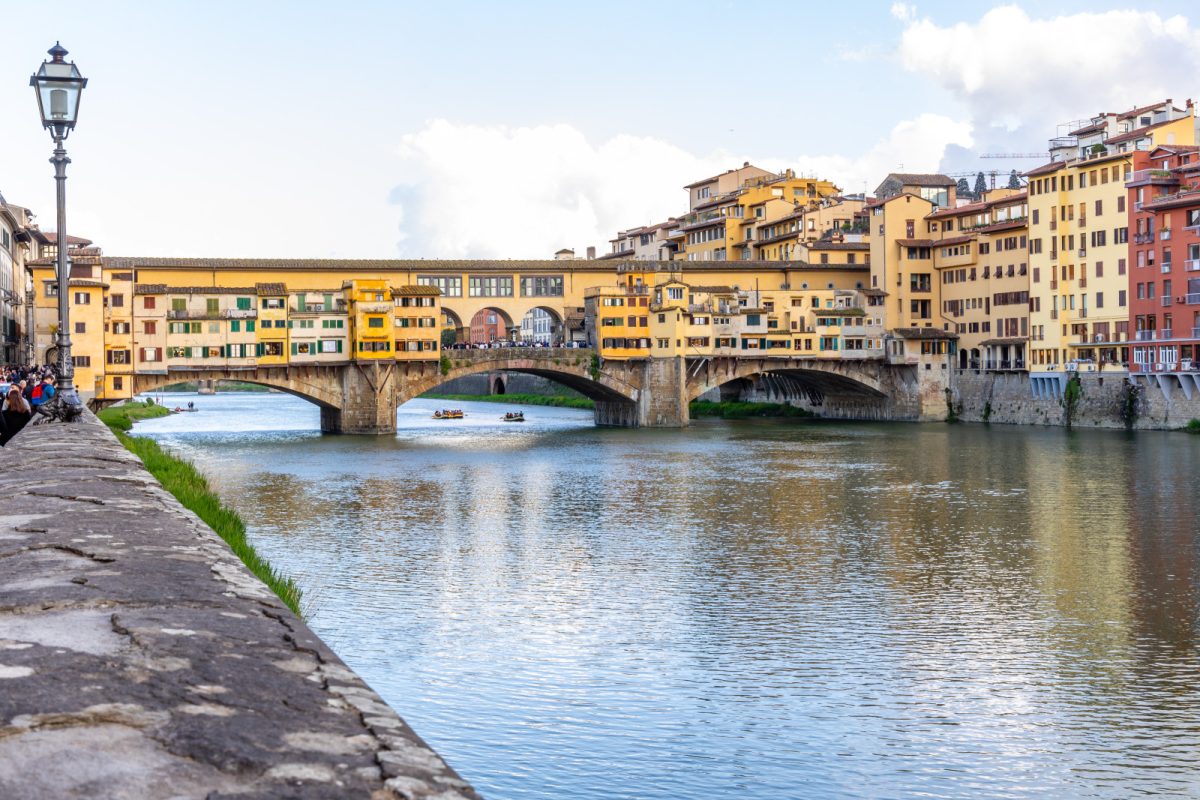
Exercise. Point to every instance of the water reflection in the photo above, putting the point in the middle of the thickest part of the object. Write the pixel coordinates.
(745, 610)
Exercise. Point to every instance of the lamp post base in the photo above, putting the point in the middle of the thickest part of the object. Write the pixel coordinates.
(63, 407)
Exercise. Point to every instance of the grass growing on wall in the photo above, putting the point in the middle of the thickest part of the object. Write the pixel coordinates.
(191, 489)
(1193, 426)
(740, 410)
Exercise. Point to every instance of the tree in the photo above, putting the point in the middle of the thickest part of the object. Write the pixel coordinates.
(1013, 181)
(980, 185)
(964, 188)
(449, 336)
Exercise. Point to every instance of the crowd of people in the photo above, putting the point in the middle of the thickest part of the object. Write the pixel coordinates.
(23, 388)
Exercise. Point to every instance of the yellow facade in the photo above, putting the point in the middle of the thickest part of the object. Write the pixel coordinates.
(371, 320)
(272, 333)
(982, 272)
(902, 261)
(416, 314)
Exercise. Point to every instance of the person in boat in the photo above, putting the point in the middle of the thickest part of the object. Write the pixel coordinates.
(191, 406)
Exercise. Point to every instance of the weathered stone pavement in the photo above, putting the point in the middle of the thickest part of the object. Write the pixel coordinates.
(140, 659)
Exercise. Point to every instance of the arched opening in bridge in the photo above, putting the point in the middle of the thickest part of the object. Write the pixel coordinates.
(824, 393)
(453, 330)
(541, 326)
(498, 385)
(490, 325)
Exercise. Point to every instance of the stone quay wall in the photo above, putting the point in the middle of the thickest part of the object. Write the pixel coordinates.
(1008, 397)
(140, 659)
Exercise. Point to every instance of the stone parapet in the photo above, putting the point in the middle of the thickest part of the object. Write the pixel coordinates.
(140, 659)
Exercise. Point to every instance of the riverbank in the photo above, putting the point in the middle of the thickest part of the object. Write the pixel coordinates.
(190, 488)
(697, 409)
(558, 401)
(223, 386)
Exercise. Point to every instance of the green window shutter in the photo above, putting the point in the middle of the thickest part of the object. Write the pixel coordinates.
(293, 348)
(289, 323)
(243, 303)
(235, 326)
(249, 326)
(339, 345)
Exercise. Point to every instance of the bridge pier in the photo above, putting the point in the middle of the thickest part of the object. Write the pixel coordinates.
(368, 401)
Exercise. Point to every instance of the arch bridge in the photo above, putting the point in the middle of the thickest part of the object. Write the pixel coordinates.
(362, 397)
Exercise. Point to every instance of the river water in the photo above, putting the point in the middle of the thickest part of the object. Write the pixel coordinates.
(743, 609)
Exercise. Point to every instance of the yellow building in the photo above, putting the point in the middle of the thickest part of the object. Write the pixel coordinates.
(982, 273)
(371, 319)
(901, 255)
(416, 315)
(1079, 233)
(724, 213)
(272, 334)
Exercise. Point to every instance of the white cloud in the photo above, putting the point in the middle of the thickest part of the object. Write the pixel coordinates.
(1014, 70)
(474, 191)
(904, 11)
(915, 145)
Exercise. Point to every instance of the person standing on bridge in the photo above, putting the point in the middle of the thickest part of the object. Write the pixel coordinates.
(16, 412)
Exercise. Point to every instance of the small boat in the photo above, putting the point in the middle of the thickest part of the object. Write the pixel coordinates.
(179, 410)
(514, 416)
(448, 414)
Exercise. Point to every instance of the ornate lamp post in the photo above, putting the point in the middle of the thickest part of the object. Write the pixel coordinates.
(58, 86)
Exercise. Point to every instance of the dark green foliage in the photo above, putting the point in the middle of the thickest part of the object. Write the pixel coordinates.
(1131, 403)
(444, 361)
(740, 410)
(1072, 394)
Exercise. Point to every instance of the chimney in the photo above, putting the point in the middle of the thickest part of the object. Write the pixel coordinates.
(745, 163)
(591, 253)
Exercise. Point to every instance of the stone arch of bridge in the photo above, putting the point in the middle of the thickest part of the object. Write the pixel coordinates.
(811, 381)
(573, 370)
(320, 387)
(557, 328)
(492, 324)
(452, 321)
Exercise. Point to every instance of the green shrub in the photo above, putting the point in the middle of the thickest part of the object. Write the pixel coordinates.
(1193, 426)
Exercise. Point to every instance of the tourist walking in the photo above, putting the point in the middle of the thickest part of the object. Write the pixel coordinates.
(16, 412)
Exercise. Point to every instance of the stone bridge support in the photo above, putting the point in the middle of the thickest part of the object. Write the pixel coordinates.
(369, 400)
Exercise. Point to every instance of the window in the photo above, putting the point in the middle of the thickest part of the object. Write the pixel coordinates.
(178, 304)
(150, 327)
(117, 300)
(374, 322)
(450, 286)
(82, 299)
(148, 302)
(490, 286)
(235, 326)
(81, 327)
(1120, 202)
(243, 303)
(212, 305)
(541, 286)
(150, 354)
(272, 302)
(82, 361)
(118, 383)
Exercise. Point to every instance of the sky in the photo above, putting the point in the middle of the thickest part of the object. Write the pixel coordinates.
(489, 130)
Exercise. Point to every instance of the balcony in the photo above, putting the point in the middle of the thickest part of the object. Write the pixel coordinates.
(1166, 267)
(1004, 364)
(1196, 333)
(1149, 177)
(921, 288)
(1166, 333)
(1144, 336)
(1192, 299)
(1143, 238)
(1083, 252)
(1165, 234)
(1192, 265)
(1054, 313)
(225, 313)
(1082, 312)
(1166, 301)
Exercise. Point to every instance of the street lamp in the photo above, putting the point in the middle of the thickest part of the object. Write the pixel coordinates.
(58, 86)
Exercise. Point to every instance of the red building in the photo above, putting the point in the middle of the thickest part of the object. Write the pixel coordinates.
(1164, 258)
(487, 326)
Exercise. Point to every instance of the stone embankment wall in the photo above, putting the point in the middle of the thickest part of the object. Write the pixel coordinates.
(140, 659)
(1008, 398)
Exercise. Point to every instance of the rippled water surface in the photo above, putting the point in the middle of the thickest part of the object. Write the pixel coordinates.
(744, 610)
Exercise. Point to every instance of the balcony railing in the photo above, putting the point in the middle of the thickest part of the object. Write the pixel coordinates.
(225, 313)
(1166, 301)
(1144, 336)
(1164, 234)
(1192, 299)
(1166, 334)
(1166, 267)
(1143, 176)
(1004, 363)
(1192, 265)
(1083, 281)
(1196, 333)
(1083, 312)
(1143, 238)
(1054, 313)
